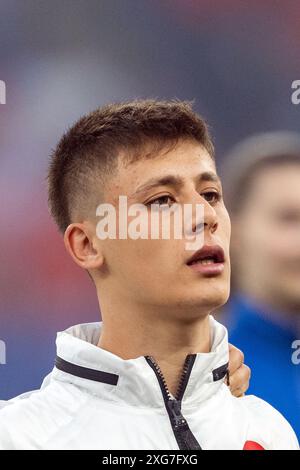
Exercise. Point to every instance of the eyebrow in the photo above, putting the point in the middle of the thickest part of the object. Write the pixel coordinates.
(175, 180)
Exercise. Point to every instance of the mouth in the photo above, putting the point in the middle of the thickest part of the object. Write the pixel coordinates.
(208, 261)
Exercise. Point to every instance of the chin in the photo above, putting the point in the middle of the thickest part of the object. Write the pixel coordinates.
(213, 297)
(213, 303)
(206, 301)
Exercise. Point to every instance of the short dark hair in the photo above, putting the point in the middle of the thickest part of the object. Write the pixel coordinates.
(90, 148)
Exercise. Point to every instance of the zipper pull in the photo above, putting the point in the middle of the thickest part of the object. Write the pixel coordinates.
(175, 413)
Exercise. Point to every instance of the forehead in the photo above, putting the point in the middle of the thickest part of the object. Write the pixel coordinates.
(276, 185)
(285, 177)
(186, 160)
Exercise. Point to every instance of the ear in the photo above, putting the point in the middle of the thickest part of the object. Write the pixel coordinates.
(78, 239)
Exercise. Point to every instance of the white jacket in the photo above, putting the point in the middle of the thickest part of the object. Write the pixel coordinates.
(94, 399)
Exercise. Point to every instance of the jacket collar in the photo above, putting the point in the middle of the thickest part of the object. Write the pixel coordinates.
(132, 381)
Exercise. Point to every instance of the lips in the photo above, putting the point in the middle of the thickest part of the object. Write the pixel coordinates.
(208, 262)
(208, 252)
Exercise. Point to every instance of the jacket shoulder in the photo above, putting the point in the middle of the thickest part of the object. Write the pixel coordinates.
(267, 426)
(30, 420)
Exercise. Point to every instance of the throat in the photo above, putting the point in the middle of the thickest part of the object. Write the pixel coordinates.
(173, 383)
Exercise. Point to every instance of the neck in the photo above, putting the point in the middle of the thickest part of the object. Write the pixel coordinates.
(130, 331)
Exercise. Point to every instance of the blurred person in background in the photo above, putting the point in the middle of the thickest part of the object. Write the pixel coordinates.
(261, 181)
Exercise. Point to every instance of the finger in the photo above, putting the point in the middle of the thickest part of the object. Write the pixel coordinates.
(236, 359)
(238, 393)
(239, 381)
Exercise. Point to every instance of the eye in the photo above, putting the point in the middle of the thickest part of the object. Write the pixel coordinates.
(161, 201)
(212, 196)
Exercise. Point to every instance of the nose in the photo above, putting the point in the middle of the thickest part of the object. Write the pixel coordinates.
(205, 218)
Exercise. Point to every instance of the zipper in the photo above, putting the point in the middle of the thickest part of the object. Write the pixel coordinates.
(184, 436)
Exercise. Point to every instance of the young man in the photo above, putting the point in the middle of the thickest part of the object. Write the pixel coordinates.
(151, 374)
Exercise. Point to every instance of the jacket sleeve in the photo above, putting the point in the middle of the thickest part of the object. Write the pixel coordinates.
(269, 427)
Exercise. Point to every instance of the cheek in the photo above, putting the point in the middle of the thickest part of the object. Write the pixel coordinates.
(145, 257)
(225, 226)
(284, 245)
(252, 234)
(277, 241)
(228, 227)
(254, 245)
(263, 247)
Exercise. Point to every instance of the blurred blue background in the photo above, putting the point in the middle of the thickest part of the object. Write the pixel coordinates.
(61, 59)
